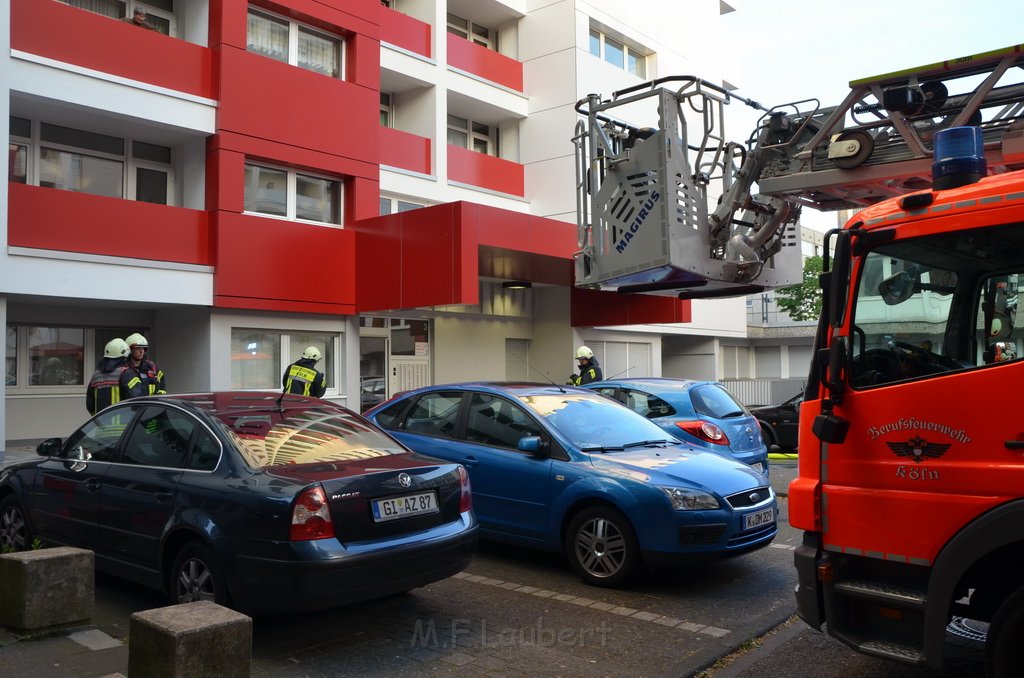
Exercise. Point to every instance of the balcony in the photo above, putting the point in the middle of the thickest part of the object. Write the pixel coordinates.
(401, 30)
(70, 35)
(484, 63)
(404, 150)
(485, 171)
(66, 221)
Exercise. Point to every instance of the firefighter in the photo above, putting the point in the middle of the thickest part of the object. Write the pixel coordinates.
(152, 377)
(112, 381)
(590, 370)
(302, 377)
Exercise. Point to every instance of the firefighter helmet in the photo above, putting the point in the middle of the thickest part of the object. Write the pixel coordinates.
(136, 340)
(116, 348)
(584, 352)
(311, 353)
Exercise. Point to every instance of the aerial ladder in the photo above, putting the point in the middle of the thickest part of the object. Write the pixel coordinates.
(644, 216)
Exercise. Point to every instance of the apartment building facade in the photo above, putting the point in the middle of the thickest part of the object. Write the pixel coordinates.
(392, 182)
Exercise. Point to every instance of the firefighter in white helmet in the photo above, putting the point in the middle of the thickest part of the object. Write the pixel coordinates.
(112, 381)
(139, 360)
(590, 370)
(302, 377)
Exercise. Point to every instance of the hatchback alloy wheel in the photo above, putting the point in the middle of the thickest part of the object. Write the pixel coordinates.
(602, 547)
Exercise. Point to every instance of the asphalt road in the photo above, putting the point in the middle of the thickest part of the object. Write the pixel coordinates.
(519, 612)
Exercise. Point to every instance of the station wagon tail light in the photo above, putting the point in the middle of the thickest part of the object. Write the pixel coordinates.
(466, 497)
(705, 430)
(311, 517)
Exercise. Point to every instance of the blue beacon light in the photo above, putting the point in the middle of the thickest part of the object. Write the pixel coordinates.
(959, 158)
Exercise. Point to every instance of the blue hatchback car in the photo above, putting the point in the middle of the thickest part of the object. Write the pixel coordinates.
(566, 469)
(702, 413)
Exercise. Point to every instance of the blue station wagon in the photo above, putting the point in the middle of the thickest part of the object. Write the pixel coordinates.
(701, 413)
(566, 469)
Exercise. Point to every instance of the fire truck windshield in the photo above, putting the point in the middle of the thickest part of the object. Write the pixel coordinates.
(935, 304)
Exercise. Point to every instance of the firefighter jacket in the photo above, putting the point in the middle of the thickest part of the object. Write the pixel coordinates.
(591, 372)
(153, 380)
(302, 378)
(112, 382)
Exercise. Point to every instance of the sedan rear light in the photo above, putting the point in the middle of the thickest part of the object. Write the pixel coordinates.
(705, 430)
(311, 517)
(466, 497)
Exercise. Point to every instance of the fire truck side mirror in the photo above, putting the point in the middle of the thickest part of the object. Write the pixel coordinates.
(897, 288)
(839, 279)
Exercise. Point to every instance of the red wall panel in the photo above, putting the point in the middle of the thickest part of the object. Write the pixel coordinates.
(268, 100)
(592, 308)
(405, 150)
(485, 63)
(423, 257)
(51, 219)
(524, 232)
(404, 31)
(76, 36)
(281, 265)
(486, 171)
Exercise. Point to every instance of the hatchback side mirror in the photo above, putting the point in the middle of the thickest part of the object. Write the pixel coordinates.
(532, 444)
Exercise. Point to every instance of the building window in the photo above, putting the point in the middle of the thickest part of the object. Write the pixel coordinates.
(293, 43)
(159, 13)
(43, 359)
(292, 195)
(259, 357)
(77, 160)
(395, 205)
(464, 28)
(473, 135)
(387, 113)
(617, 53)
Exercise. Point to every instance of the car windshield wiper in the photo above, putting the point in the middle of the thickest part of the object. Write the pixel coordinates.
(730, 415)
(603, 448)
(650, 443)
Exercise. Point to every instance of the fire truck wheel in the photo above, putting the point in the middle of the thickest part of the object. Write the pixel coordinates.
(1004, 652)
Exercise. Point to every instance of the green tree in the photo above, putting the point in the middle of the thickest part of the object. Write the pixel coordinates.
(803, 301)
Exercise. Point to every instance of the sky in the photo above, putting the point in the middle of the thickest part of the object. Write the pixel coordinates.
(788, 50)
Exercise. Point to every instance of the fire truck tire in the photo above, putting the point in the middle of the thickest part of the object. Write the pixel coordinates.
(1004, 652)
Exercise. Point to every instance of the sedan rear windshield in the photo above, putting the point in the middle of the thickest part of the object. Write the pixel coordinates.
(306, 437)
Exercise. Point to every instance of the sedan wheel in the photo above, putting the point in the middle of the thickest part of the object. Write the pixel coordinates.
(197, 576)
(14, 530)
(602, 547)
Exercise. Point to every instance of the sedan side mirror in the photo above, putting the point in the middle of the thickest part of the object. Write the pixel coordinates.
(49, 447)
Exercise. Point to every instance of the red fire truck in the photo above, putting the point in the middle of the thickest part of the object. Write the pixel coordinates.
(910, 490)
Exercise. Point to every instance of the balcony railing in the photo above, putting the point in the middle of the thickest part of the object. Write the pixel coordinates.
(404, 150)
(485, 63)
(485, 171)
(67, 221)
(75, 36)
(404, 31)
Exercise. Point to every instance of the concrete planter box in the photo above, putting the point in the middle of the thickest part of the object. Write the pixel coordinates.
(46, 589)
